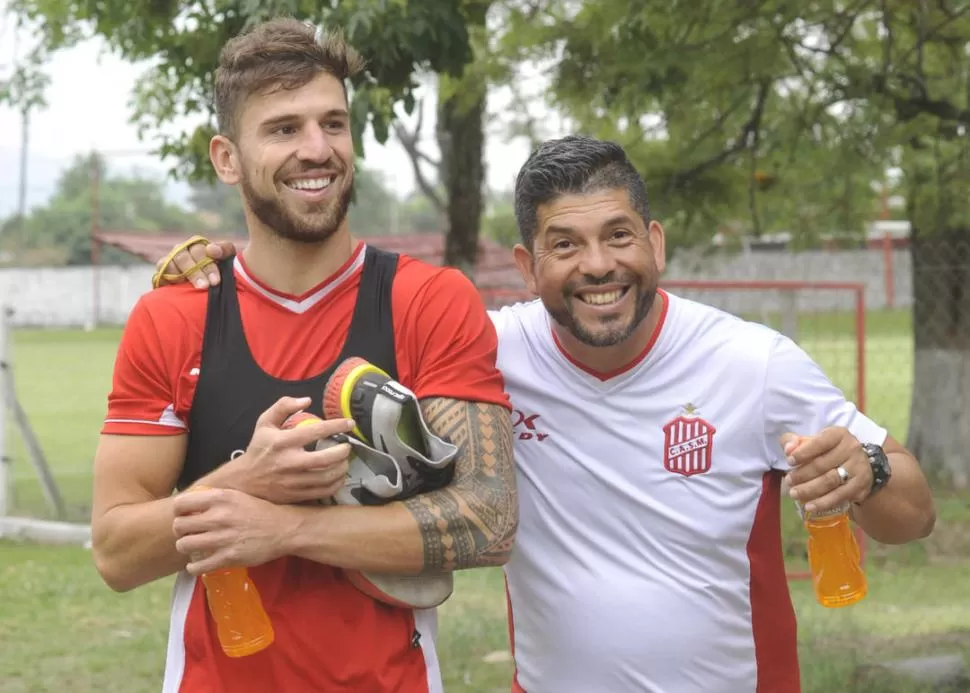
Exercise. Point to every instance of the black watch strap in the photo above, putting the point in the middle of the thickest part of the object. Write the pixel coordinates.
(879, 463)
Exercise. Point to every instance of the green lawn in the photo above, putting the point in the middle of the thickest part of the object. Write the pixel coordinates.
(62, 379)
(58, 623)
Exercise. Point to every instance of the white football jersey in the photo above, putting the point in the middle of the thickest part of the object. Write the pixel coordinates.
(648, 557)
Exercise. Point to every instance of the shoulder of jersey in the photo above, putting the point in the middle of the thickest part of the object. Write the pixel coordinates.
(695, 320)
(175, 298)
(415, 273)
(417, 267)
(518, 316)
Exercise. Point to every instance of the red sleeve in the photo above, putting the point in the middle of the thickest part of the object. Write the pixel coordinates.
(143, 399)
(449, 343)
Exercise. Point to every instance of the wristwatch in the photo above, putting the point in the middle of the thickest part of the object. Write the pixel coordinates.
(879, 463)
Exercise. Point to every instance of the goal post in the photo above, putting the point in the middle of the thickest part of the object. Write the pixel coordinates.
(828, 319)
(13, 417)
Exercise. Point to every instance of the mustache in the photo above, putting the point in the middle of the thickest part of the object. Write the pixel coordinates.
(589, 280)
(318, 170)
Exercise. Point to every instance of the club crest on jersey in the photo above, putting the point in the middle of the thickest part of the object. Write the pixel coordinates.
(688, 440)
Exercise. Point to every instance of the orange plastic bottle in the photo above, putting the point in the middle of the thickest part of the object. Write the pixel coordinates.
(241, 621)
(242, 625)
(834, 558)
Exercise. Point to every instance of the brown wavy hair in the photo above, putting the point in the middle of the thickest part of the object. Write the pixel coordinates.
(282, 53)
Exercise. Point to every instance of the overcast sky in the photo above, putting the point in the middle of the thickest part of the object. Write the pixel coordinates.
(88, 109)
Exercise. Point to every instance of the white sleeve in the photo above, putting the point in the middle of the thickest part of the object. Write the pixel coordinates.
(799, 398)
(500, 318)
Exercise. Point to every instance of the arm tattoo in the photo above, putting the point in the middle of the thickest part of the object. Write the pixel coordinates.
(471, 522)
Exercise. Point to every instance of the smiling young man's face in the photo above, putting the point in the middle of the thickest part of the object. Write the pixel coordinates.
(594, 264)
(293, 159)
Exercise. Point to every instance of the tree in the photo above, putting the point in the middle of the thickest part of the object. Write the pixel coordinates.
(455, 191)
(456, 188)
(23, 90)
(220, 204)
(499, 223)
(461, 138)
(400, 39)
(127, 203)
(460, 134)
(375, 206)
(419, 214)
(715, 100)
(706, 101)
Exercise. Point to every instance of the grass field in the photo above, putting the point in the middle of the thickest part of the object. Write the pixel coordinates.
(59, 624)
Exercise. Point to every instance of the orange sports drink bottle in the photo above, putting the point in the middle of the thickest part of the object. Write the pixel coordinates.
(834, 558)
(242, 625)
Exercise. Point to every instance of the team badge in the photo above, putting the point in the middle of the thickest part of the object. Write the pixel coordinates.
(688, 440)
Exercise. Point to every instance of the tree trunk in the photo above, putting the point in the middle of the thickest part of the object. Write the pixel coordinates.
(939, 428)
(461, 138)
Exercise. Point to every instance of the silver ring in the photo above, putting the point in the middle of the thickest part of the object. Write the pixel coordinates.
(843, 475)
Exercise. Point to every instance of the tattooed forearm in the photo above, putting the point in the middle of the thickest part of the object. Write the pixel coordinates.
(472, 522)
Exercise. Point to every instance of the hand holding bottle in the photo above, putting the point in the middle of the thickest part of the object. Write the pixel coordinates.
(834, 558)
(242, 625)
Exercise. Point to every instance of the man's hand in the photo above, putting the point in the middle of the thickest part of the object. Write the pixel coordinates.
(278, 468)
(187, 265)
(221, 528)
(815, 480)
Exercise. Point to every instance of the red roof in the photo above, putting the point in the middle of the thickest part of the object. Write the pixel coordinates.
(495, 274)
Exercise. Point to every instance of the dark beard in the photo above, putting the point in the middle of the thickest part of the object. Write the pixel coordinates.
(563, 314)
(275, 217)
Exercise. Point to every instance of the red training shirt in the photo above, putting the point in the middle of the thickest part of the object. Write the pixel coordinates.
(329, 636)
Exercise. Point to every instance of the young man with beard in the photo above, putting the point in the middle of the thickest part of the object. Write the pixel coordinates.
(648, 557)
(203, 382)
